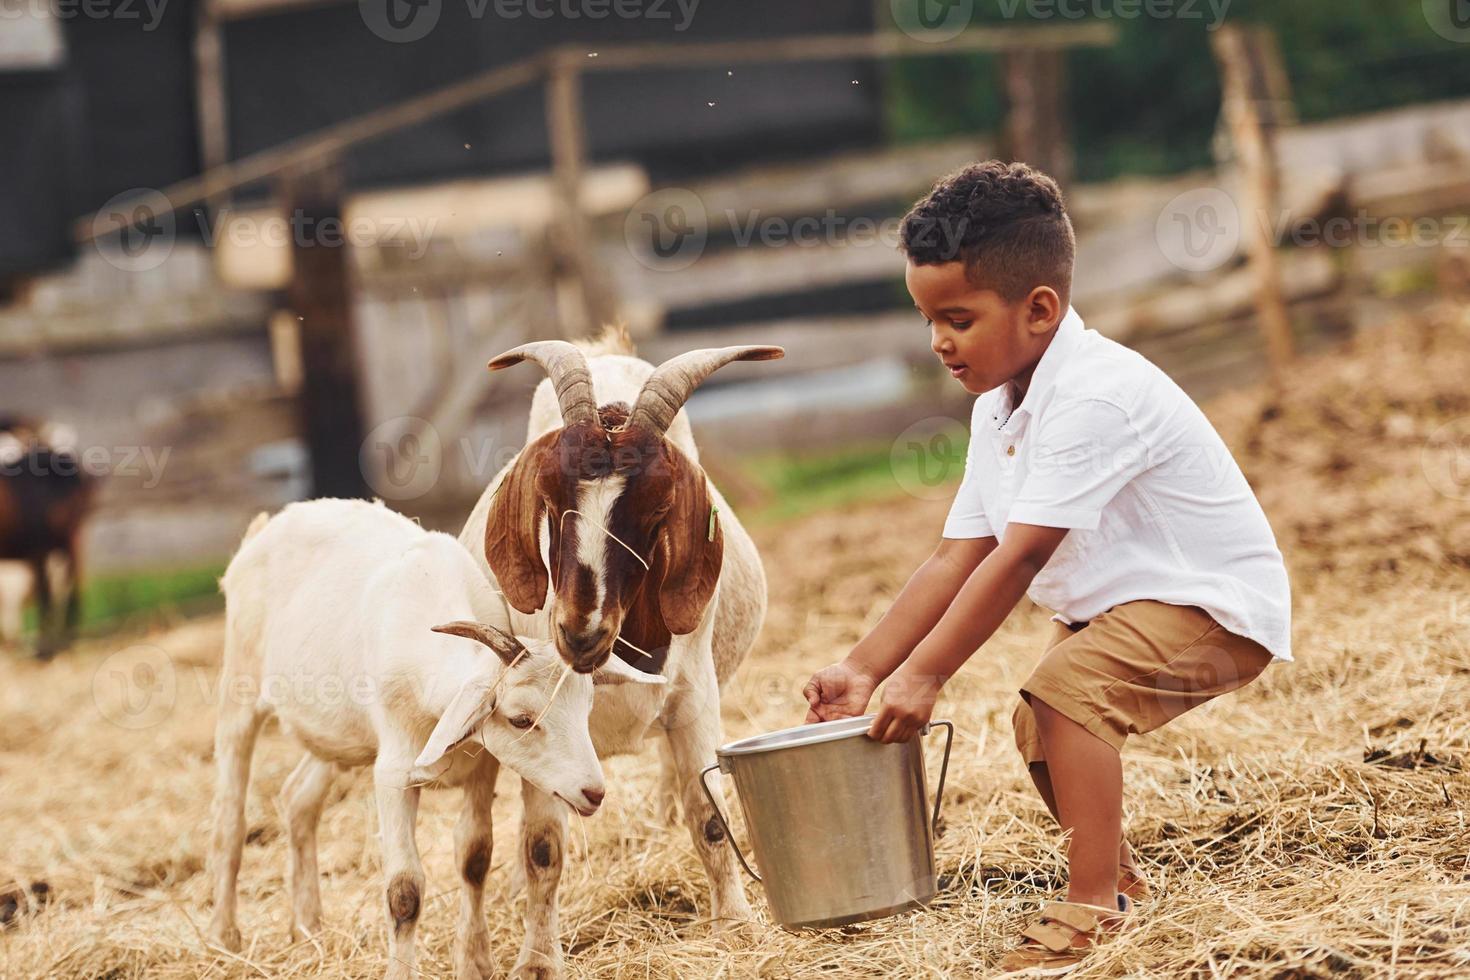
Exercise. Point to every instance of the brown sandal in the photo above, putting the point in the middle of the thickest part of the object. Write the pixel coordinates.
(1056, 943)
(1132, 883)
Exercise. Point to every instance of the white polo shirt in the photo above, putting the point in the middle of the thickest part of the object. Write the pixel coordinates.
(1106, 444)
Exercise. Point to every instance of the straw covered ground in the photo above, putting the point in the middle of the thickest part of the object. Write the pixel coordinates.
(1313, 824)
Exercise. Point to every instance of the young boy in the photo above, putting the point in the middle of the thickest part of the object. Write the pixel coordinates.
(1097, 486)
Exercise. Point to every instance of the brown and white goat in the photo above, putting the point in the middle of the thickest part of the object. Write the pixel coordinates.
(605, 536)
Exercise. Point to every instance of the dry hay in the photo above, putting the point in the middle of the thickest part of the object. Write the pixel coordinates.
(1313, 824)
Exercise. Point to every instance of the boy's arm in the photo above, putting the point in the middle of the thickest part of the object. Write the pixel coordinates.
(844, 689)
(921, 605)
(981, 605)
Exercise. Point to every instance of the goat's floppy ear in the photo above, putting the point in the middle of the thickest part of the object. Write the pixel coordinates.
(616, 671)
(691, 548)
(513, 532)
(474, 702)
(506, 646)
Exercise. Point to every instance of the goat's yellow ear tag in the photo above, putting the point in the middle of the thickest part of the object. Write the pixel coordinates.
(714, 511)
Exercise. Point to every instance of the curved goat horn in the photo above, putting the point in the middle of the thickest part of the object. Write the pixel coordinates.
(505, 645)
(673, 381)
(567, 367)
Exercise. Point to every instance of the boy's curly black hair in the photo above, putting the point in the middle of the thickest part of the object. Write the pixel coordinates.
(1006, 221)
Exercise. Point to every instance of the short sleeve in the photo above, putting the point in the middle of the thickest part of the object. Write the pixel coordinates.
(967, 514)
(1084, 452)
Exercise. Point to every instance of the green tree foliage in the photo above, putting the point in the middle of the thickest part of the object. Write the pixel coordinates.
(1148, 104)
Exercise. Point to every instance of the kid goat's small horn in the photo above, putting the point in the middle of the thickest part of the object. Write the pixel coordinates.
(566, 366)
(673, 381)
(505, 645)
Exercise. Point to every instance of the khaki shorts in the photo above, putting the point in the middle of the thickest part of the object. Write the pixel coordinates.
(1133, 669)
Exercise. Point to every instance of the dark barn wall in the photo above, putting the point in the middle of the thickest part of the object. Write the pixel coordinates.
(293, 73)
(121, 114)
(138, 117)
(39, 168)
(117, 114)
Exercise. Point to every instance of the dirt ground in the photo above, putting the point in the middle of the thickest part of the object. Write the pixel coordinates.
(1313, 824)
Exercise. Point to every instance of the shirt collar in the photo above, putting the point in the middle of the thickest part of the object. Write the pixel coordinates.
(1063, 342)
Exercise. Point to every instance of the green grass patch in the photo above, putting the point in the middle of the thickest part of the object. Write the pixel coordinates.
(856, 474)
(1394, 283)
(141, 599)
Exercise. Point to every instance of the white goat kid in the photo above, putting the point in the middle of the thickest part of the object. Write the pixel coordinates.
(606, 536)
(349, 623)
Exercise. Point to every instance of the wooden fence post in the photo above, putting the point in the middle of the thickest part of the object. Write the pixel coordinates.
(210, 99)
(1036, 130)
(320, 296)
(571, 238)
(1250, 83)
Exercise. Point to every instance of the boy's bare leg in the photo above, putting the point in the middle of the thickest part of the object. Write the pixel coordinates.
(1086, 776)
(1042, 780)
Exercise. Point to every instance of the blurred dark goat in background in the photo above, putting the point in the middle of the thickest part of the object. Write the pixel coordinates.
(44, 501)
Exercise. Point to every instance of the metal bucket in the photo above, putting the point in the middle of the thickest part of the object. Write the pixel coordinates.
(838, 822)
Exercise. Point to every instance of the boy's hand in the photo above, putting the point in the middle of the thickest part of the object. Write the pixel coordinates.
(908, 703)
(838, 691)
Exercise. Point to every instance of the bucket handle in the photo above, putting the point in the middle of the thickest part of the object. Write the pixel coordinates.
(943, 768)
(720, 816)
